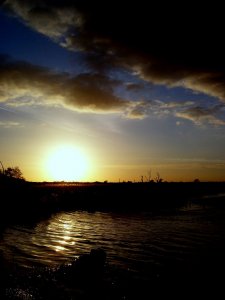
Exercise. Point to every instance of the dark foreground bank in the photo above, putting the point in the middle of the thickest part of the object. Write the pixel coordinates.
(90, 277)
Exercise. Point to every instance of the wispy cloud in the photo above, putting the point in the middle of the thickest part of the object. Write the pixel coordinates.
(188, 110)
(10, 124)
(130, 86)
(202, 115)
(138, 110)
(161, 108)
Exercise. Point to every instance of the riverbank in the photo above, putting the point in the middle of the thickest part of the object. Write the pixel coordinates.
(33, 200)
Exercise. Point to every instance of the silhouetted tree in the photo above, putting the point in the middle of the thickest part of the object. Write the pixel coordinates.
(196, 180)
(148, 178)
(158, 178)
(3, 170)
(14, 173)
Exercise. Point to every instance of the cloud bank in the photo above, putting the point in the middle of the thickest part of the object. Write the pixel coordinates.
(22, 83)
(162, 44)
(26, 84)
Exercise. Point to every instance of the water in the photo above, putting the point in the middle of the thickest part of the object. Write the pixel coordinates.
(144, 246)
(127, 238)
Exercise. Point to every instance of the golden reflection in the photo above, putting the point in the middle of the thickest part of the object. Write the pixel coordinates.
(58, 235)
(61, 230)
(59, 248)
(67, 226)
(64, 235)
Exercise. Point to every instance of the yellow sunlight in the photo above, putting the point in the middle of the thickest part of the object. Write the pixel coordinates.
(67, 163)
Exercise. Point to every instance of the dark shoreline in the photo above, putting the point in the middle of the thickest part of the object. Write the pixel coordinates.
(27, 200)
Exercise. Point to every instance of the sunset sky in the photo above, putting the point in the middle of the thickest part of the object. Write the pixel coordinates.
(125, 89)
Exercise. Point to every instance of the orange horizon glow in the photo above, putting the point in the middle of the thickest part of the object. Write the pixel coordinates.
(119, 174)
(78, 162)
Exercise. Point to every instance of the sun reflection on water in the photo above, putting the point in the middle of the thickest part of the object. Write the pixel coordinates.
(59, 248)
(60, 233)
(127, 239)
(62, 238)
(66, 235)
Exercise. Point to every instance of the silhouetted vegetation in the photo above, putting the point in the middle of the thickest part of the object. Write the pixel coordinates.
(14, 173)
(24, 199)
(10, 174)
(158, 178)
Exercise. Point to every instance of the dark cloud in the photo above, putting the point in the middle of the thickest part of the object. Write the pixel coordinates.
(173, 45)
(22, 83)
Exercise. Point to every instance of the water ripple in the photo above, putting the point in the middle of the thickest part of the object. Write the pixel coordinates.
(131, 241)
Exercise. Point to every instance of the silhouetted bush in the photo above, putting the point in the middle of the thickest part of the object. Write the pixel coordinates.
(15, 173)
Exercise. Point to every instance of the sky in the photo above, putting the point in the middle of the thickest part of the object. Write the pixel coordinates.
(93, 91)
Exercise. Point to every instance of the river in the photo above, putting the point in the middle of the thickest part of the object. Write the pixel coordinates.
(144, 246)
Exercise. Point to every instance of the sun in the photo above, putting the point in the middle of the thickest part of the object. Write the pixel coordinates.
(67, 163)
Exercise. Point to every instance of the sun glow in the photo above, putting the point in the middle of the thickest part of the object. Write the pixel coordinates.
(67, 163)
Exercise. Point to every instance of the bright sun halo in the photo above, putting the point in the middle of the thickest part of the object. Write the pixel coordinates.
(67, 163)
